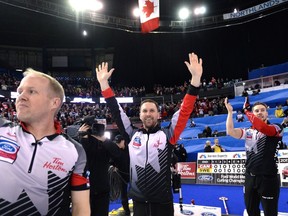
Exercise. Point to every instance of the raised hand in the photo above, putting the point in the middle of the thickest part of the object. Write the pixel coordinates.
(102, 72)
(246, 105)
(103, 75)
(195, 68)
(228, 105)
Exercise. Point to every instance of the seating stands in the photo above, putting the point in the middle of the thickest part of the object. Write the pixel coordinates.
(194, 141)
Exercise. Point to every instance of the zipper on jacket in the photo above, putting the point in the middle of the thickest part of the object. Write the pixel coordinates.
(33, 156)
(147, 157)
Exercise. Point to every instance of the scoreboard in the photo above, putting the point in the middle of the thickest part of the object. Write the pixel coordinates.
(228, 168)
(221, 168)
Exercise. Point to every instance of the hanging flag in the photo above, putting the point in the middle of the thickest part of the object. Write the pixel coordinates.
(149, 15)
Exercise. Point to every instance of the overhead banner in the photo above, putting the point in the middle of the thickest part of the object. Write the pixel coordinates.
(252, 10)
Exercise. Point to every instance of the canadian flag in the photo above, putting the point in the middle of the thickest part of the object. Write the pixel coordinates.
(149, 15)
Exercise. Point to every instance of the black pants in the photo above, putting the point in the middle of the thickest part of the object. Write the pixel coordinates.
(261, 189)
(124, 198)
(99, 204)
(153, 209)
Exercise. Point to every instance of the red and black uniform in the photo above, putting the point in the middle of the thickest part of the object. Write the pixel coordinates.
(262, 183)
(38, 175)
(150, 156)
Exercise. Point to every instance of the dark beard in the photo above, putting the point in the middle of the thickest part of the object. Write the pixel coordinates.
(150, 127)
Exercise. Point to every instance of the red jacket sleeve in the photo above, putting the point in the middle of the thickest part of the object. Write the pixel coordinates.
(261, 126)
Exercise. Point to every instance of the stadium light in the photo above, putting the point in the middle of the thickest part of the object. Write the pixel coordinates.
(183, 13)
(136, 12)
(200, 10)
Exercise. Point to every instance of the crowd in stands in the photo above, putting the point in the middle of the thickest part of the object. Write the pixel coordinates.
(8, 82)
(87, 87)
(71, 112)
(205, 85)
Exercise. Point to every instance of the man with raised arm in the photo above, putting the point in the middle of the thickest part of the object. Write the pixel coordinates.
(262, 182)
(150, 148)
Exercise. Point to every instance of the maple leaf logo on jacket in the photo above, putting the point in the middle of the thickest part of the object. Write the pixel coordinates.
(148, 8)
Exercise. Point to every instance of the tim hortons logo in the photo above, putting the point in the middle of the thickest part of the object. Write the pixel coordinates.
(56, 164)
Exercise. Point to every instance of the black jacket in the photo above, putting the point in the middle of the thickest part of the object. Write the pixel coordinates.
(98, 157)
(122, 163)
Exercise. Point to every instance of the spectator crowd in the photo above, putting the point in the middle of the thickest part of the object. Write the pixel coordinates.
(89, 87)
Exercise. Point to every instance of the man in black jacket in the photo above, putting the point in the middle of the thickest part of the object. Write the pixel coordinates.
(182, 153)
(123, 170)
(98, 150)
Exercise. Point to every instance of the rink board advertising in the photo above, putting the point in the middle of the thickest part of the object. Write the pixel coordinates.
(283, 167)
(187, 170)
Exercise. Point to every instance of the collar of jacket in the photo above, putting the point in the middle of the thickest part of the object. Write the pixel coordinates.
(150, 130)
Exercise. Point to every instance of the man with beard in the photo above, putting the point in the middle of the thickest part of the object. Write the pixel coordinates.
(150, 148)
(262, 183)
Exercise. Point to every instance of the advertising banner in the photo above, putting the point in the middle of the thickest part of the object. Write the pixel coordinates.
(283, 167)
(187, 170)
(196, 210)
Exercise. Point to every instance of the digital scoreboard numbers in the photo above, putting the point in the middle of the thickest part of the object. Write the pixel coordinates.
(221, 168)
(228, 168)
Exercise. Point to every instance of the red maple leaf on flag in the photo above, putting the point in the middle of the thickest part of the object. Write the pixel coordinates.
(148, 8)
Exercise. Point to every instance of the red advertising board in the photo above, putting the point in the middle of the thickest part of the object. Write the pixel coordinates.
(187, 170)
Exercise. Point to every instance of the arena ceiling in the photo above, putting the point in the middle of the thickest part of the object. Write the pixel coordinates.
(229, 49)
(46, 22)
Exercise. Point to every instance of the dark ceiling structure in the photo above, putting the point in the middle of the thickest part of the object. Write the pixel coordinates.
(117, 15)
(46, 22)
(230, 48)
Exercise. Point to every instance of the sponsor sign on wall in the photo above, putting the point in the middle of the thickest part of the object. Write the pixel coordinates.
(187, 170)
(283, 167)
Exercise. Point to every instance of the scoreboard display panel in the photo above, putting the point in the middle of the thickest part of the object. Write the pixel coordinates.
(228, 168)
(221, 168)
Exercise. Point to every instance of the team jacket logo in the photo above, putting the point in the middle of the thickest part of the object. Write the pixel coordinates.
(157, 144)
(56, 164)
(136, 142)
(249, 135)
(8, 150)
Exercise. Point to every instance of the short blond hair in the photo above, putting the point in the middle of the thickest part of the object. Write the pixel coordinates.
(56, 87)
